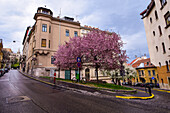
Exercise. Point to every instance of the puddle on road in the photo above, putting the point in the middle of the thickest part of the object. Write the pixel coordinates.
(17, 99)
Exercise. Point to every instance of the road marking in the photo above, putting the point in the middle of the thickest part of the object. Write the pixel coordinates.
(161, 90)
(133, 97)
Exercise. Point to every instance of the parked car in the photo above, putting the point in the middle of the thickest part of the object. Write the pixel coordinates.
(2, 72)
(6, 70)
(125, 83)
(138, 84)
(142, 85)
(149, 85)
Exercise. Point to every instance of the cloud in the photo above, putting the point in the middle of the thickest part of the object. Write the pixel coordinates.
(135, 44)
(121, 16)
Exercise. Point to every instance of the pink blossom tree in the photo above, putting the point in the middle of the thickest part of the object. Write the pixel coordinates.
(100, 49)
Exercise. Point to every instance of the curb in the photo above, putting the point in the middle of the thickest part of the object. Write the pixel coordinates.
(37, 79)
(167, 91)
(105, 89)
(133, 97)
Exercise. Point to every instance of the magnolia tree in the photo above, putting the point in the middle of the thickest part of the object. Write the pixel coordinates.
(99, 49)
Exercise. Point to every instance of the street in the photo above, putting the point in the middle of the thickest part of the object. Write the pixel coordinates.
(19, 94)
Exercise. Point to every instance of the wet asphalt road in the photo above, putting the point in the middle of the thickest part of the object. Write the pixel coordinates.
(43, 98)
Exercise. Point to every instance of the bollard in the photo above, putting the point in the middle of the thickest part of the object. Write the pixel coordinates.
(149, 88)
(54, 77)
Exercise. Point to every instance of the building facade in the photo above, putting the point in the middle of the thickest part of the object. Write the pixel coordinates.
(156, 20)
(146, 71)
(1, 54)
(41, 41)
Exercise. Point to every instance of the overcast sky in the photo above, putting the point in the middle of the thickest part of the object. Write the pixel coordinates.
(120, 16)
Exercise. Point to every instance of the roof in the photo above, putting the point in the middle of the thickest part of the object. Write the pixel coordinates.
(144, 63)
(45, 9)
(147, 11)
(134, 61)
(7, 49)
(26, 33)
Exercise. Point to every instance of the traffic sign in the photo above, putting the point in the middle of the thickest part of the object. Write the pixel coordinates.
(153, 78)
(78, 64)
(78, 59)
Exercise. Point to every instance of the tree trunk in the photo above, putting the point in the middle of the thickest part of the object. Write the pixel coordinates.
(70, 73)
(59, 72)
(97, 73)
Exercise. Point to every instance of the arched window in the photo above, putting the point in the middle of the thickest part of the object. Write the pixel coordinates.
(156, 48)
(156, 15)
(159, 64)
(160, 31)
(167, 66)
(163, 46)
(150, 19)
(153, 33)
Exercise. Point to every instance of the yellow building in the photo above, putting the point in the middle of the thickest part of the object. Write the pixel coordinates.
(1, 54)
(156, 18)
(146, 71)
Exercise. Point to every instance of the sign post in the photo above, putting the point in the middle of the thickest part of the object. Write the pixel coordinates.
(78, 65)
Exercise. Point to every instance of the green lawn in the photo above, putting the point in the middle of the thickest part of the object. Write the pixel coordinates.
(97, 85)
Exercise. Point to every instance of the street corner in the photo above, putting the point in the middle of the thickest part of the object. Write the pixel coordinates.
(136, 97)
(45, 82)
(162, 90)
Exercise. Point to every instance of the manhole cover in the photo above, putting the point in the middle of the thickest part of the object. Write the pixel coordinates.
(17, 99)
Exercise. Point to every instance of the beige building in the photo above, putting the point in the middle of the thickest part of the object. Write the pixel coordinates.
(41, 41)
(156, 20)
(46, 35)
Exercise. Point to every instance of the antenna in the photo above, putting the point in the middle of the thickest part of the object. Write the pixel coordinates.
(76, 17)
(60, 12)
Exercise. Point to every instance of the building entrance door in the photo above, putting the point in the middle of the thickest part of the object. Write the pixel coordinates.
(87, 74)
(67, 74)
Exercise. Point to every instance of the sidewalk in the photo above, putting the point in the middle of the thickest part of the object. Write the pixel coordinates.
(125, 94)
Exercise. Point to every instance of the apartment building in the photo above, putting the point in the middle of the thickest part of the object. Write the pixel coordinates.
(156, 20)
(41, 41)
(1, 54)
(146, 71)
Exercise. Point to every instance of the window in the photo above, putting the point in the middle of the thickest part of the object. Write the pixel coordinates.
(45, 12)
(49, 44)
(67, 32)
(160, 31)
(34, 42)
(49, 29)
(156, 15)
(44, 28)
(162, 81)
(153, 71)
(153, 33)
(43, 43)
(75, 34)
(142, 72)
(156, 48)
(167, 19)
(163, 46)
(150, 19)
(159, 64)
(167, 66)
(139, 72)
(52, 59)
(147, 63)
(163, 2)
(149, 72)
